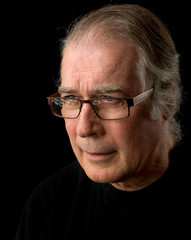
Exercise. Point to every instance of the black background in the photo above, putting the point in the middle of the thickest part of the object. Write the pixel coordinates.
(36, 144)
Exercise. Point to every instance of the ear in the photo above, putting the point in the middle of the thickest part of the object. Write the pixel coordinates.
(170, 99)
(168, 112)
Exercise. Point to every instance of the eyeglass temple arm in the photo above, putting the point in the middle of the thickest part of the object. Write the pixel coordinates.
(142, 97)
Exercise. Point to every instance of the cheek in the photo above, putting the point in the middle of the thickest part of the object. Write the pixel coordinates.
(133, 134)
(120, 134)
(123, 130)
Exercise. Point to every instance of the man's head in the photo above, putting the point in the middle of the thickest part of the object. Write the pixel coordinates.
(121, 51)
(157, 63)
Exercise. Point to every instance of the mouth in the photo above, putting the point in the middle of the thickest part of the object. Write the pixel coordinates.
(99, 156)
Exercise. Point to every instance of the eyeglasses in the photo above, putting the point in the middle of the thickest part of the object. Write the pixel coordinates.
(106, 108)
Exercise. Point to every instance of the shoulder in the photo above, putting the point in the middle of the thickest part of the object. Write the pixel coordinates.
(57, 193)
(52, 201)
(71, 172)
(62, 181)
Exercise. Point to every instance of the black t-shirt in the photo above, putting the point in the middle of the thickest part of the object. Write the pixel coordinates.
(68, 205)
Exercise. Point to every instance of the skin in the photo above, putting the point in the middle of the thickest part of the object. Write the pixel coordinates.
(131, 153)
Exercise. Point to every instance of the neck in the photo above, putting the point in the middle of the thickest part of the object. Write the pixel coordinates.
(140, 182)
(158, 163)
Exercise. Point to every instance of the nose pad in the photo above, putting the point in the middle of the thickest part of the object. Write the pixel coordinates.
(85, 126)
(93, 109)
(88, 124)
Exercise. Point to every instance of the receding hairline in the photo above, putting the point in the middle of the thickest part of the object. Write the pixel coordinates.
(158, 63)
(98, 40)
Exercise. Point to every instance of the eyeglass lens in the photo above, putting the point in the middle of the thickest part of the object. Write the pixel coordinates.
(104, 108)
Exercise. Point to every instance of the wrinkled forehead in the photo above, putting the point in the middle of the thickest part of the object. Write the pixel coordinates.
(99, 57)
(98, 66)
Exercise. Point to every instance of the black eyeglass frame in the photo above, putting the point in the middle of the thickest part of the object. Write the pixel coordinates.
(130, 103)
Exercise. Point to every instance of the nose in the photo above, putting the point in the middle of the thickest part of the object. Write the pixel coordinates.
(88, 123)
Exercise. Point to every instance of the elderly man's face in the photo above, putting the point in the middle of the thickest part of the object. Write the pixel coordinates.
(108, 150)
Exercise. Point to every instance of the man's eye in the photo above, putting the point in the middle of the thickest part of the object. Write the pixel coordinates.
(109, 99)
(70, 97)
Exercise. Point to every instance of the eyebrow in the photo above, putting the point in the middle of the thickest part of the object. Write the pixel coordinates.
(114, 89)
(65, 90)
(102, 90)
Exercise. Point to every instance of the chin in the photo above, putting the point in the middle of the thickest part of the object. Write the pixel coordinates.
(101, 174)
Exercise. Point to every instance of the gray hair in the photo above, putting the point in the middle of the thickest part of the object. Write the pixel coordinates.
(158, 63)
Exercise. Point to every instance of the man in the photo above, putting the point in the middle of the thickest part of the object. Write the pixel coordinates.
(119, 94)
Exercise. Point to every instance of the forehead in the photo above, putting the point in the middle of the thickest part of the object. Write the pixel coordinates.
(98, 64)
